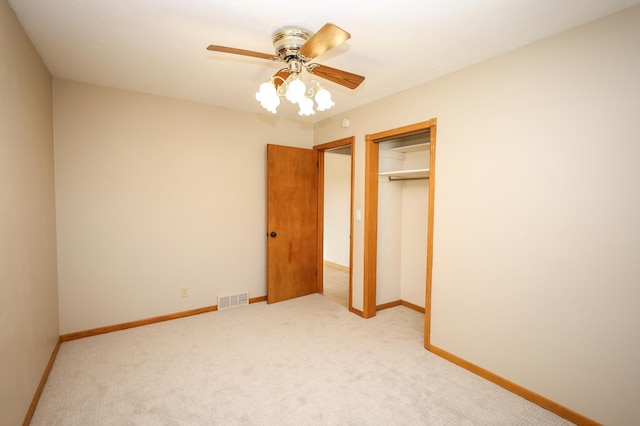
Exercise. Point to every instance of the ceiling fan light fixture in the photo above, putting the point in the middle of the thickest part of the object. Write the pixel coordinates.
(296, 91)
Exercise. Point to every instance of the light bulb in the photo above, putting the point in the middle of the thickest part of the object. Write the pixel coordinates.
(323, 99)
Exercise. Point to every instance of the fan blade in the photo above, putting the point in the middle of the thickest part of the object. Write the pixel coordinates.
(243, 52)
(343, 78)
(328, 37)
(283, 74)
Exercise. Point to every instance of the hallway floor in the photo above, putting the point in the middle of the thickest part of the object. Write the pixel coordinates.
(336, 284)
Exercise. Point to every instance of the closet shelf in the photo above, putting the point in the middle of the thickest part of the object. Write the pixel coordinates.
(406, 174)
(412, 148)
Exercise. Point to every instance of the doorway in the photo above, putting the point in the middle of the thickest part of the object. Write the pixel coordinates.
(371, 211)
(335, 220)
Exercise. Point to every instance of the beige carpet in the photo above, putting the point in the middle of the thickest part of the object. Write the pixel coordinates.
(307, 361)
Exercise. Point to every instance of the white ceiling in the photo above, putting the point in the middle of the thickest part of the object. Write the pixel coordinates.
(159, 46)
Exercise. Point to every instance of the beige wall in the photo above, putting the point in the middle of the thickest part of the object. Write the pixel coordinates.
(29, 301)
(153, 195)
(537, 234)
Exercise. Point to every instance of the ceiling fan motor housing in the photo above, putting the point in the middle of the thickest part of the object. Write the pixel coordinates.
(287, 41)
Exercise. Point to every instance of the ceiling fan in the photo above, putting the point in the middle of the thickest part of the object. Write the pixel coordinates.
(297, 47)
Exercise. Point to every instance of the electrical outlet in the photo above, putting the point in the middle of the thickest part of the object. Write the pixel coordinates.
(184, 291)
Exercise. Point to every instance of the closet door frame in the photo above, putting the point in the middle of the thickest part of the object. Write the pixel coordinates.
(372, 155)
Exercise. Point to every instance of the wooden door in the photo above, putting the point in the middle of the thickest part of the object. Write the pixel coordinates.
(292, 222)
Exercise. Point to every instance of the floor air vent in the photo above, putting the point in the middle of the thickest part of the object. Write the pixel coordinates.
(233, 300)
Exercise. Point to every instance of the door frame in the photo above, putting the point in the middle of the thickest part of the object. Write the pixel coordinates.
(371, 216)
(349, 141)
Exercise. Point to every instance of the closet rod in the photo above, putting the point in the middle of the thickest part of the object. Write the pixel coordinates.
(391, 179)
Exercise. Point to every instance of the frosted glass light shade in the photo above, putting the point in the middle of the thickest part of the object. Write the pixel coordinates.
(295, 90)
(268, 96)
(323, 99)
(306, 106)
(271, 105)
(266, 90)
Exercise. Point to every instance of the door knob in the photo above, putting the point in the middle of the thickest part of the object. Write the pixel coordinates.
(272, 234)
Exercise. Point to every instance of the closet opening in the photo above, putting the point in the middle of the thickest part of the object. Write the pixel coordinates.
(398, 214)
